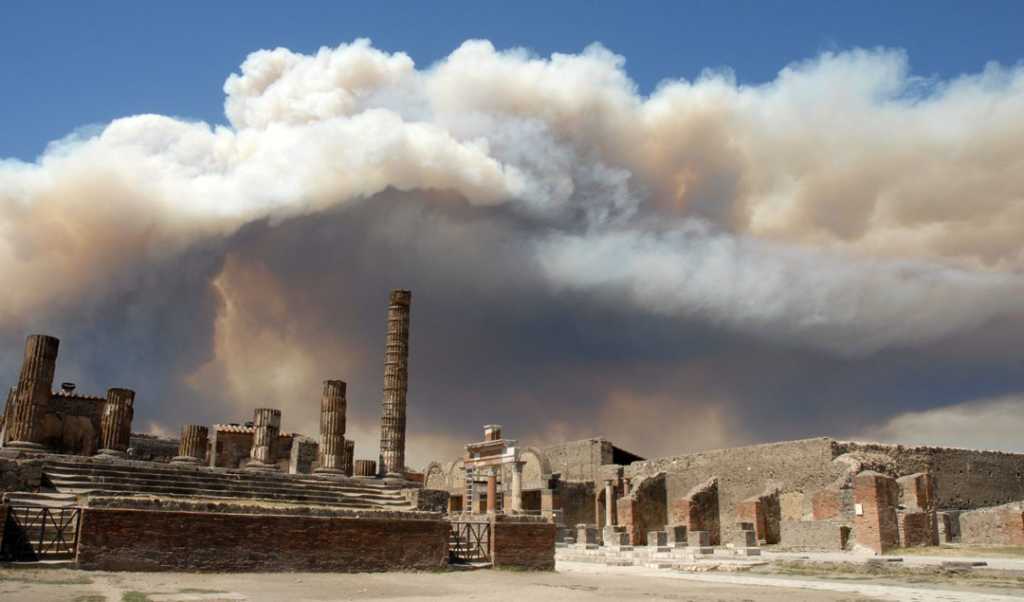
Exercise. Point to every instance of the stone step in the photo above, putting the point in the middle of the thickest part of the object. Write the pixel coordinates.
(65, 479)
(87, 488)
(158, 470)
(41, 499)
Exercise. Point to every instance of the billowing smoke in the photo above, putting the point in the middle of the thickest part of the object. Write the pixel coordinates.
(567, 239)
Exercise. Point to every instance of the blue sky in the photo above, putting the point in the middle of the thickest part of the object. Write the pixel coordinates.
(64, 65)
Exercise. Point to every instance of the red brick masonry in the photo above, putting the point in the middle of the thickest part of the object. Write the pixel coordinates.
(147, 540)
(528, 546)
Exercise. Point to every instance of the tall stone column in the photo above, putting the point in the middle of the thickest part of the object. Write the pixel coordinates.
(267, 425)
(32, 395)
(116, 422)
(194, 441)
(516, 501)
(350, 455)
(332, 428)
(396, 384)
(492, 491)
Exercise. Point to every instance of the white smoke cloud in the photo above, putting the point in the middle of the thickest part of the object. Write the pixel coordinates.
(847, 205)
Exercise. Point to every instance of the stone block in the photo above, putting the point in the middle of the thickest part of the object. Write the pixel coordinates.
(676, 535)
(746, 539)
(586, 534)
(699, 539)
(657, 539)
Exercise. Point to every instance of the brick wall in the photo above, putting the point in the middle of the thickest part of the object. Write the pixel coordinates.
(876, 527)
(699, 511)
(814, 535)
(826, 503)
(523, 545)
(143, 540)
(918, 529)
(1002, 525)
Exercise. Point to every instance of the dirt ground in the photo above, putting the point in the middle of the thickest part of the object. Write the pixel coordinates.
(574, 581)
(61, 585)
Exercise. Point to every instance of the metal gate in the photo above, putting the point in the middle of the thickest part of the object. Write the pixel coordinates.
(35, 533)
(469, 541)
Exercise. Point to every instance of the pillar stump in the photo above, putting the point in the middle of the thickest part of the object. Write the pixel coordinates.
(116, 423)
(32, 395)
(350, 454)
(365, 468)
(332, 429)
(266, 427)
(194, 441)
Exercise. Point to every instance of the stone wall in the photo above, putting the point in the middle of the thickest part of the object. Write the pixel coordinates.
(141, 540)
(20, 475)
(1002, 525)
(526, 545)
(151, 448)
(815, 535)
(579, 460)
(965, 479)
(803, 467)
(576, 500)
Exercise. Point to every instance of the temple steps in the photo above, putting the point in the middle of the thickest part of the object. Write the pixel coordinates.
(41, 499)
(90, 478)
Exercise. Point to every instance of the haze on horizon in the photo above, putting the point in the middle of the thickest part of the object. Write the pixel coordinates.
(835, 251)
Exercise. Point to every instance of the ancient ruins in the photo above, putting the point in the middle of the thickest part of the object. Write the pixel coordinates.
(78, 484)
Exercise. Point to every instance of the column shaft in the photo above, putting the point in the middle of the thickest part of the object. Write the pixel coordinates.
(332, 427)
(116, 422)
(396, 383)
(492, 492)
(609, 500)
(32, 396)
(516, 503)
(194, 442)
(267, 423)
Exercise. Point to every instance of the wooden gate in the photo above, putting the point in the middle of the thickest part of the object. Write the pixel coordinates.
(36, 533)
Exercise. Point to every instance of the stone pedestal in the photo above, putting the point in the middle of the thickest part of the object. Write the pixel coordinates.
(267, 426)
(365, 468)
(396, 384)
(332, 428)
(32, 395)
(116, 423)
(194, 441)
(350, 455)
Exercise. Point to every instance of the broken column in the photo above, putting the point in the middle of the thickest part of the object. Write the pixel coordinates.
(396, 383)
(194, 441)
(267, 426)
(332, 428)
(116, 422)
(350, 454)
(32, 395)
(365, 468)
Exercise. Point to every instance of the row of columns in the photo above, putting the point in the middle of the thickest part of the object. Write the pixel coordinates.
(30, 399)
(514, 500)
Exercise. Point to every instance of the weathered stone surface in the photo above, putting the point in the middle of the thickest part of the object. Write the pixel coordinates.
(332, 427)
(825, 535)
(1001, 525)
(194, 441)
(24, 418)
(523, 545)
(365, 468)
(699, 510)
(141, 540)
(116, 421)
(20, 475)
(266, 427)
(396, 384)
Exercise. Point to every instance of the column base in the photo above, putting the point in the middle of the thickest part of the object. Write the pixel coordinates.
(112, 453)
(261, 467)
(26, 446)
(329, 473)
(186, 460)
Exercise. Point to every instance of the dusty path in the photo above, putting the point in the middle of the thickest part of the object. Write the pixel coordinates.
(59, 585)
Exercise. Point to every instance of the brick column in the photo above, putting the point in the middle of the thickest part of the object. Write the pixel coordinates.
(267, 423)
(396, 384)
(116, 422)
(32, 395)
(194, 441)
(332, 428)
(875, 496)
(492, 491)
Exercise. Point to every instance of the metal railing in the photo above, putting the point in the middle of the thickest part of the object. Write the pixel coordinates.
(469, 541)
(39, 533)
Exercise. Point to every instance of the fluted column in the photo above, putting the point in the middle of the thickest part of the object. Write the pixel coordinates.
(396, 383)
(267, 423)
(332, 428)
(116, 422)
(194, 441)
(32, 395)
(365, 468)
(350, 454)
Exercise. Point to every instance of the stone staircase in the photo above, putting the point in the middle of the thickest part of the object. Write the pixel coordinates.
(88, 478)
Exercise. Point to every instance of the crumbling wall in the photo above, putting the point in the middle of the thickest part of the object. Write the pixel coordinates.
(576, 501)
(20, 475)
(765, 513)
(524, 544)
(964, 479)
(1001, 525)
(875, 526)
(579, 461)
(152, 448)
(815, 535)
(795, 468)
(700, 510)
(303, 454)
(72, 423)
(645, 509)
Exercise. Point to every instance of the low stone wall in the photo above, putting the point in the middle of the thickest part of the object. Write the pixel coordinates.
(814, 535)
(1002, 525)
(145, 540)
(20, 475)
(523, 544)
